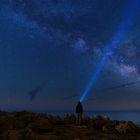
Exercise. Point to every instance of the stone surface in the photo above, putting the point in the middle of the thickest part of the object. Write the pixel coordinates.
(35, 126)
(126, 127)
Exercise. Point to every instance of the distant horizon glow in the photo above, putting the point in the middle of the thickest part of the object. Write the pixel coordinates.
(120, 32)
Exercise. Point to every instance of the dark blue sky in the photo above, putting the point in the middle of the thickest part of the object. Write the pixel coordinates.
(49, 50)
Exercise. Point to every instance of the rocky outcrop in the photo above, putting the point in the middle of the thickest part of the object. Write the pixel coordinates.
(98, 122)
(30, 126)
(126, 127)
(109, 128)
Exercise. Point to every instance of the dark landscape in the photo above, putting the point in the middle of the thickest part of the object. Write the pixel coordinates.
(37, 126)
(69, 69)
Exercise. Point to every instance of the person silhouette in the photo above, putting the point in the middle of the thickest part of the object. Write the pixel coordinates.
(79, 111)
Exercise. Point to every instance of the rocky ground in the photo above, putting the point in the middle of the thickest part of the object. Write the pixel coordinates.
(34, 126)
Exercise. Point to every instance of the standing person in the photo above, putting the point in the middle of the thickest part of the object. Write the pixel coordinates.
(79, 111)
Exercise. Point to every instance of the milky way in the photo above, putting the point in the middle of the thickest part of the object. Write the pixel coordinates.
(60, 43)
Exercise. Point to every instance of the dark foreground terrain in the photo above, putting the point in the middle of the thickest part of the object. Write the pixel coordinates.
(34, 126)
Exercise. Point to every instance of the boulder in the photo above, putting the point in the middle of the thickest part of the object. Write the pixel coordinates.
(126, 127)
(108, 128)
(98, 122)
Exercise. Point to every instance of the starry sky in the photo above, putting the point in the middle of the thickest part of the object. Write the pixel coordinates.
(49, 49)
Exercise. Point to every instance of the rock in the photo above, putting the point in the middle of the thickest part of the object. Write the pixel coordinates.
(108, 128)
(70, 118)
(106, 118)
(97, 117)
(36, 126)
(115, 123)
(126, 127)
(98, 122)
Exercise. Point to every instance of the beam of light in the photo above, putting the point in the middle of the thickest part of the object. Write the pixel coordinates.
(121, 86)
(112, 88)
(117, 37)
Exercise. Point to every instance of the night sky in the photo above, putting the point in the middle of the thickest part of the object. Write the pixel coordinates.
(49, 49)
